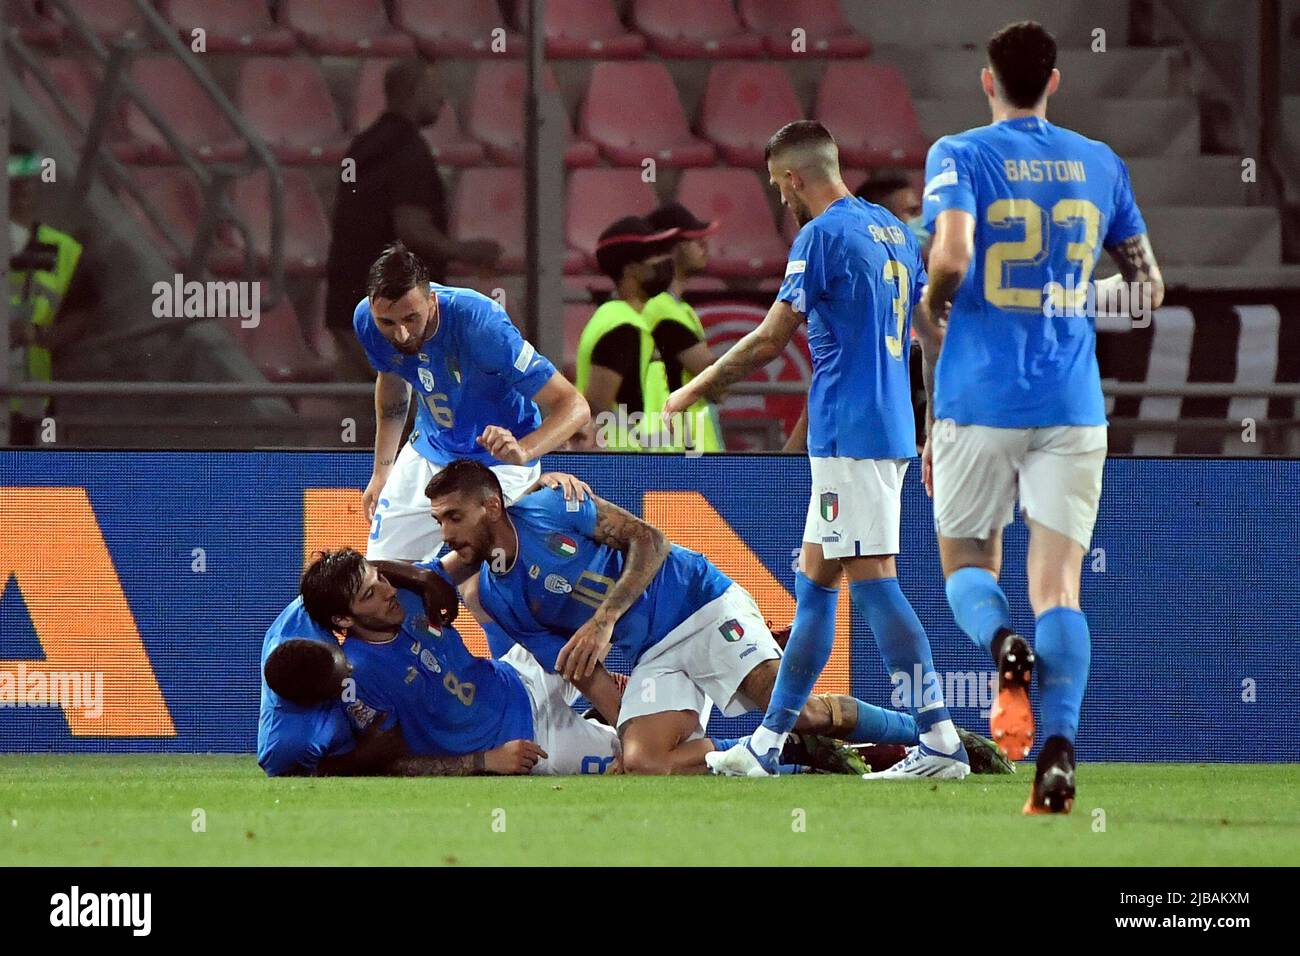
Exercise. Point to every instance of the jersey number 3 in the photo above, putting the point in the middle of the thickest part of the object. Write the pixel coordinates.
(895, 271)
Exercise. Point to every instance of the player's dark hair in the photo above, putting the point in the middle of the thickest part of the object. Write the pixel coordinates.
(329, 583)
(466, 476)
(795, 135)
(402, 79)
(878, 187)
(396, 272)
(306, 672)
(1022, 56)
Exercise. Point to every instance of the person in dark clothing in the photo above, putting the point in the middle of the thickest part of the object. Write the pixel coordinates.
(394, 193)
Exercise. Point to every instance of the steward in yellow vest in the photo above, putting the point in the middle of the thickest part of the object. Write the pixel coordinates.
(35, 293)
(619, 369)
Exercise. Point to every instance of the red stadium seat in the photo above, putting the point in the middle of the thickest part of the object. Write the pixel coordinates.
(231, 26)
(825, 31)
(584, 28)
(345, 28)
(489, 204)
(746, 243)
(306, 231)
(176, 197)
(462, 29)
(595, 198)
(34, 28)
(108, 19)
(700, 28)
(79, 86)
(174, 92)
(868, 109)
(286, 100)
(743, 104)
(276, 346)
(448, 142)
(632, 113)
(496, 115)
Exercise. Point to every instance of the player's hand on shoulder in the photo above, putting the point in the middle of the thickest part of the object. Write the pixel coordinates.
(503, 445)
(575, 489)
(515, 757)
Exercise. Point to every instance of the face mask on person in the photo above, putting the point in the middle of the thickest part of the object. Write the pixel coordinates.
(660, 278)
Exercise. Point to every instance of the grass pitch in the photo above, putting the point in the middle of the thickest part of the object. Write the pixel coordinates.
(141, 810)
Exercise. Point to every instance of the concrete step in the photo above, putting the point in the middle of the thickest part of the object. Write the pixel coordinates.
(925, 23)
(1190, 181)
(1249, 238)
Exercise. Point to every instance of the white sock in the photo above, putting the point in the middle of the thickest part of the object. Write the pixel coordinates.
(763, 740)
(942, 737)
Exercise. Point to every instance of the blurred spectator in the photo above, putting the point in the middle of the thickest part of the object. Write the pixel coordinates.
(676, 328)
(894, 191)
(42, 268)
(619, 369)
(397, 194)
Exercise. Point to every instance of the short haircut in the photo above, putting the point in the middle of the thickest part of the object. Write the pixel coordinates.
(306, 672)
(402, 79)
(800, 135)
(396, 272)
(878, 187)
(1022, 56)
(329, 583)
(467, 476)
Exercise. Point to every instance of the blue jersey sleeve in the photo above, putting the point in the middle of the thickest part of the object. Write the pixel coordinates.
(804, 284)
(1127, 221)
(496, 347)
(299, 741)
(947, 182)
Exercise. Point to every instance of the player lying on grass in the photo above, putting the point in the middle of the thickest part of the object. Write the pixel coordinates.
(570, 578)
(404, 672)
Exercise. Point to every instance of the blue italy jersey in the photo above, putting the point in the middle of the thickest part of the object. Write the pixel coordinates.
(855, 272)
(561, 575)
(1021, 349)
(446, 700)
(476, 371)
(290, 737)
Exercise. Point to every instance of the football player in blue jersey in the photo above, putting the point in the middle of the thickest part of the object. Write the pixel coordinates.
(1020, 210)
(854, 274)
(569, 579)
(478, 387)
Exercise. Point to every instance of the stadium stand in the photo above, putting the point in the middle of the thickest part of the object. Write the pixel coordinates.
(742, 104)
(471, 28)
(632, 112)
(496, 116)
(345, 28)
(232, 26)
(489, 204)
(702, 28)
(287, 101)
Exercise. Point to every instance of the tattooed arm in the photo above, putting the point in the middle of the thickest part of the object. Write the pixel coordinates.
(752, 352)
(645, 549)
(1137, 264)
(392, 401)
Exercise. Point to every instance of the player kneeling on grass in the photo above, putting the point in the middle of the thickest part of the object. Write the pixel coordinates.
(568, 579)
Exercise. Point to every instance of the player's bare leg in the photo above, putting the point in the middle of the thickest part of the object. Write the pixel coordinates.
(1054, 566)
(660, 744)
(973, 564)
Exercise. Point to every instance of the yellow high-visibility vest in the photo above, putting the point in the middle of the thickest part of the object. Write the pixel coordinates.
(35, 297)
(706, 428)
(653, 379)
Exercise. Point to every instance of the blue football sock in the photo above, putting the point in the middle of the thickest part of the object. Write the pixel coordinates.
(876, 725)
(903, 645)
(725, 743)
(806, 653)
(1063, 647)
(978, 604)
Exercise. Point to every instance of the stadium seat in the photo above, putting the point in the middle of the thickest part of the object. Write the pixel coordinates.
(463, 29)
(232, 26)
(175, 93)
(345, 28)
(825, 31)
(489, 204)
(743, 104)
(746, 243)
(496, 115)
(594, 199)
(868, 109)
(632, 112)
(109, 19)
(306, 230)
(78, 85)
(286, 100)
(175, 195)
(33, 26)
(277, 347)
(701, 28)
(584, 28)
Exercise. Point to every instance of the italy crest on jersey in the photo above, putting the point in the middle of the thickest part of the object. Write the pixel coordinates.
(426, 378)
(830, 505)
(732, 631)
(561, 544)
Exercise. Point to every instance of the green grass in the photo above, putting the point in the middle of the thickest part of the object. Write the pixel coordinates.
(138, 810)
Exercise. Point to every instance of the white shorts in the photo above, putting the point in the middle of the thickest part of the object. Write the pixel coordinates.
(856, 506)
(702, 660)
(403, 529)
(573, 745)
(978, 471)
